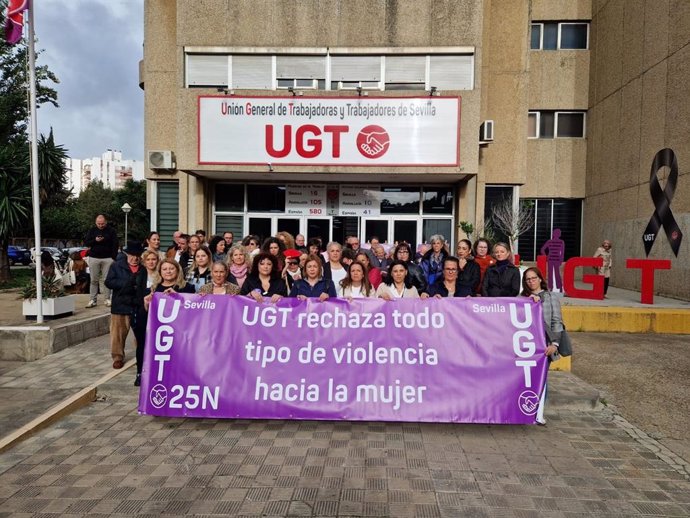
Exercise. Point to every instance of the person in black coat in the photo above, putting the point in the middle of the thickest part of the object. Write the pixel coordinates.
(503, 278)
(469, 272)
(264, 280)
(103, 245)
(450, 284)
(415, 274)
(121, 280)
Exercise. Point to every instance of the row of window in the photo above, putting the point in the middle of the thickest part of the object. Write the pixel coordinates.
(559, 36)
(394, 200)
(548, 124)
(330, 72)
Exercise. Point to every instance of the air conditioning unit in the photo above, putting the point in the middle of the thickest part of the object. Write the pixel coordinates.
(161, 160)
(486, 131)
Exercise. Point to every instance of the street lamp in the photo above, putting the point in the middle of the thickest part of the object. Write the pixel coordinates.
(126, 208)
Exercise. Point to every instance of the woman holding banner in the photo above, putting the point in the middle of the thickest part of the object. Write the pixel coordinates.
(264, 280)
(534, 285)
(356, 284)
(450, 284)
(396, 285)
(313, 285)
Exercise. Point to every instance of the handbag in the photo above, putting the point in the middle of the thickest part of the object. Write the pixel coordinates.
(565, 346)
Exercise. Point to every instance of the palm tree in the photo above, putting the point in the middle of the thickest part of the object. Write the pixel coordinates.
(15, 197)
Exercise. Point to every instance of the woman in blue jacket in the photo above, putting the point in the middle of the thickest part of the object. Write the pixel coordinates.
(313, 285)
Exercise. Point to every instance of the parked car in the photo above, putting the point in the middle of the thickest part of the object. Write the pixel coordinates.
(57, 255)
(18, 255)
(69, 251)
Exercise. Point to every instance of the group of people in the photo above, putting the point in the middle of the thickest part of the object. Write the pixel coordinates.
(287, 266)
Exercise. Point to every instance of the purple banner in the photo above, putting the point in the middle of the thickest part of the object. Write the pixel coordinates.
(441, 360)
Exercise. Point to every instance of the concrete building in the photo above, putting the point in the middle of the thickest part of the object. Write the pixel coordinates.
(109, 168)
(403, 118)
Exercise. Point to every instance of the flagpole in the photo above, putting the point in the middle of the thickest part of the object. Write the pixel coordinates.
(34, 167)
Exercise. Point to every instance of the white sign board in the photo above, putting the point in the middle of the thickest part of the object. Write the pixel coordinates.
(305, 199)
(342, 131)
(360, 200)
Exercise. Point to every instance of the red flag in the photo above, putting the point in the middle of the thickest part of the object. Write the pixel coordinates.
(15, 20)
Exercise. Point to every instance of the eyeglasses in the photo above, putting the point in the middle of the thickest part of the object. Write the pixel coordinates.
(293, 263)
(528, 279)
(403, 252)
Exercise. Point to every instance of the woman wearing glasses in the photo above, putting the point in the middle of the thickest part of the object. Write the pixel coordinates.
(534, 285)
(449, 284)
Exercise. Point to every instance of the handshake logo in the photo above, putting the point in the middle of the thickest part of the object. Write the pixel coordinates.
(528, 402)
(158, 396)
(373, 141)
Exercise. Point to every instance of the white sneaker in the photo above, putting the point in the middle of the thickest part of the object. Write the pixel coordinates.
(91, 304)
(107, 302)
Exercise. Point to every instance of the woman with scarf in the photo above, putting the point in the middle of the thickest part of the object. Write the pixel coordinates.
(238, 264)
(503, 278)
(432, 261)
(483, 259)
(217, 247)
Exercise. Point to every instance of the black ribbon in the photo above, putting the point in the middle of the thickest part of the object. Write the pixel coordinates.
(662, 203)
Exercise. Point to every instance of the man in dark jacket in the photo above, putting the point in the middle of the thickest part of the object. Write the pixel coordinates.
(103, 244)
(122, 280)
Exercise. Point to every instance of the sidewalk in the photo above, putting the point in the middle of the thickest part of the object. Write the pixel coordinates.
(106, 459)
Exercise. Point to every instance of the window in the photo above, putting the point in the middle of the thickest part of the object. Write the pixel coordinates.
(400, 200)
(560, 124)
(255, 71)
(351, 72)
(451, 72)
(559, 36)
(252, 72)
(229, 197)
(265, 198)
(405, 73)
(437, 200)
(207, 70)
(560, 213)
(301, 72)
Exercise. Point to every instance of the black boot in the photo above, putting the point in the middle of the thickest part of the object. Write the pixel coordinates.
(137, 380)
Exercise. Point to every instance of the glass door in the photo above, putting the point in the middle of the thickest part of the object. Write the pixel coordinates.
(291, 225)
(318, 227)
(260, 226)
(376, 228)
(405, 230)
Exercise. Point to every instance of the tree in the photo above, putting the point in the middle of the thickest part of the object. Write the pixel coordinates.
(52, 172)
(513, 221)
(15, 197)
(14, 85)
(15, 183)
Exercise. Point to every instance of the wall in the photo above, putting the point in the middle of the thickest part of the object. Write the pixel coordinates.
(639, 72)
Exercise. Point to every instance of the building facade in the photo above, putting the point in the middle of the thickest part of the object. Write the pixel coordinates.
(394, 118)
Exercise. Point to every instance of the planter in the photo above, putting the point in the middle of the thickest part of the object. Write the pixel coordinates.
(52, 308)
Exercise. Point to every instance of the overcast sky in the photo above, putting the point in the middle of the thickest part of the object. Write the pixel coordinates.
(94, 48)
